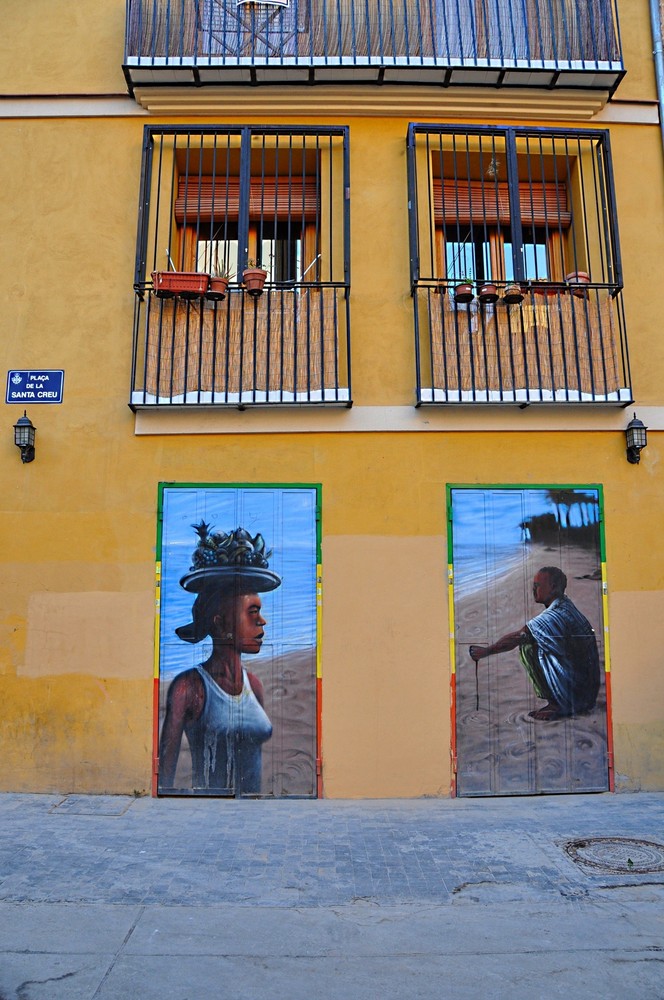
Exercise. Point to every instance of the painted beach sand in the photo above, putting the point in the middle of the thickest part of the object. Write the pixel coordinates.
(500, 749)
(289, 756)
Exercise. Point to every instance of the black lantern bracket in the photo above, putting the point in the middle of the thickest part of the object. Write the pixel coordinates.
(24, 437)
(636, 434)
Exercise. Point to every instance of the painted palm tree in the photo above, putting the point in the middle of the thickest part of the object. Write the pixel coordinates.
(560, 499)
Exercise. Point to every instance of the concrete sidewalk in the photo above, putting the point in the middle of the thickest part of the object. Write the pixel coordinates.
(187, 899)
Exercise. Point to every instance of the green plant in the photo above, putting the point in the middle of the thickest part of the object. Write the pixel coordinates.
(220, 268)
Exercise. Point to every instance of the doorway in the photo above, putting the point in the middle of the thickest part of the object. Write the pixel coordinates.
(237, 659)
(531, 717)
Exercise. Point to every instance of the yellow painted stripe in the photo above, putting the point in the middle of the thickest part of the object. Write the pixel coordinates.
(450, 611)
(319, 620)
(157, 617)
(605, 614)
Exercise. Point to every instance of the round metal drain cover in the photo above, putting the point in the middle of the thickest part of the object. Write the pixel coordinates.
(618, 855)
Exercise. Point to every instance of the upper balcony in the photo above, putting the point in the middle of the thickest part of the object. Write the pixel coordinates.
(569, 44)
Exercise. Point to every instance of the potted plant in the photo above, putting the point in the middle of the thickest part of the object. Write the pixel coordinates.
(253, 277)
(513, 293)
(220, 276)
(578, 279)
(488, 292)
(463, 290)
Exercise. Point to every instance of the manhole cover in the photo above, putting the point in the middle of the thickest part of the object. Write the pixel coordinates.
(618, 855)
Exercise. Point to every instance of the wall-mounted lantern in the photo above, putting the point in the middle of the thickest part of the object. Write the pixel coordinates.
(24, 437)
(637, 439)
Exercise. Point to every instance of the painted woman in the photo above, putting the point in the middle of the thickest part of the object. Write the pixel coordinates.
(219, 705)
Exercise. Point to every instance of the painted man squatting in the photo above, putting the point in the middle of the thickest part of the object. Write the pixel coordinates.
(558, 649)
(218, 704)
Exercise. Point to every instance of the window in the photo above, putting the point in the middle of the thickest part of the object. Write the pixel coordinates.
(530, 208)
(214, 202)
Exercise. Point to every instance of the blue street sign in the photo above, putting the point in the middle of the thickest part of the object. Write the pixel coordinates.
(35, 386)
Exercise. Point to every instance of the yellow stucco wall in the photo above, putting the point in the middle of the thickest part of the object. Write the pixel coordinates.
(79, 523)
(77, 679)
(57, 47)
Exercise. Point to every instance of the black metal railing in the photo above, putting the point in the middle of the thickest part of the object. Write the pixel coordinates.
(398, 38)
(548, 343)
(219, 210)
(526, 219)
(286, 346)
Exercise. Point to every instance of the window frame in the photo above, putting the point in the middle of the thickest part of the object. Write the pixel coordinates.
(312, 232)
(511, 138)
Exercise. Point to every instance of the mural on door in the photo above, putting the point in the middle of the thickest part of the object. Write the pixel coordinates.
(236, 677)
(530, 665)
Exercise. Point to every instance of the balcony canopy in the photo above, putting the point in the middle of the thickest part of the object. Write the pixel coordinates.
(570, 44)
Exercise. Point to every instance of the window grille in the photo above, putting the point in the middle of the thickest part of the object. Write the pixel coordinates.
(213, 202)
(527, 218)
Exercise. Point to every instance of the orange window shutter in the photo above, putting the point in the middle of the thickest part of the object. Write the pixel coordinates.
(279, 198)
(467, 201)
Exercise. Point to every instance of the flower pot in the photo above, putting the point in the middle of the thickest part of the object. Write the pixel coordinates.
(188, 284)
(463, 292)
(579, 279)
(254, 279)
(512, 294)
(217, 288)
(542, 287)
(488, 292)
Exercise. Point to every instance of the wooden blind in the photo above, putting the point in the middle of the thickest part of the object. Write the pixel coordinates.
(478, 202)
(278, 198)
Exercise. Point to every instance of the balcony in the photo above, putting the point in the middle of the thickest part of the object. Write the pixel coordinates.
(558, 345)
(448, 43)
(213, 202)
(280, 348)
(526, 220)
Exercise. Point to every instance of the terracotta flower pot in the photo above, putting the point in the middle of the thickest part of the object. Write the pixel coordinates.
(542, 287)
(488, 292)
(578, 279)
(513, 294)
(253, 279)
(217, 289)
(188, 284)
(463, 292)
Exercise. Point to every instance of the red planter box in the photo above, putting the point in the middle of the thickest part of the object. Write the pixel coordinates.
(188, 284)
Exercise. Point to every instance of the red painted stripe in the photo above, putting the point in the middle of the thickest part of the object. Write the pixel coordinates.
(319, 737)
(453, 786)
(155, 734)
(609, 733)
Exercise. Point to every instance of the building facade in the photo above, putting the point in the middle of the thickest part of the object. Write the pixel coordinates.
(330, 319)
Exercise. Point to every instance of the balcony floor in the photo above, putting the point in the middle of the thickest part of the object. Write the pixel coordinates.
(199, 71)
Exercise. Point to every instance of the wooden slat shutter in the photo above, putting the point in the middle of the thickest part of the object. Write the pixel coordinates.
(474, 201)
(278, 198)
